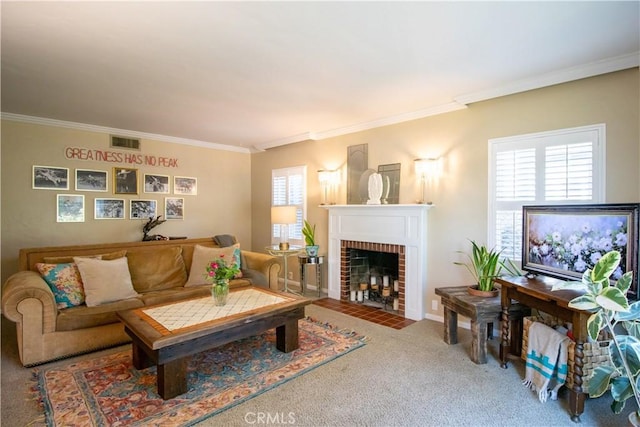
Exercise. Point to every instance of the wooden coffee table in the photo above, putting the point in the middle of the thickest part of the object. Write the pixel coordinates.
(164, 335)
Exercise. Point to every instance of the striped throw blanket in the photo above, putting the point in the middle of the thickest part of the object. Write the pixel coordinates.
(546, 363)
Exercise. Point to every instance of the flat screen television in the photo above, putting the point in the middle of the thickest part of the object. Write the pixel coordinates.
(563, 241)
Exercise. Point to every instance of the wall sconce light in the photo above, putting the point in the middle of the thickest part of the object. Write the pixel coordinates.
(329, 180)
(428, 170)
(284, 215)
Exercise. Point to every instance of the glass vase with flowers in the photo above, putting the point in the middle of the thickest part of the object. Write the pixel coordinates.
(219, 272)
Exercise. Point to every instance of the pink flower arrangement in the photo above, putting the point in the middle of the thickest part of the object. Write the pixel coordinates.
(218, 270)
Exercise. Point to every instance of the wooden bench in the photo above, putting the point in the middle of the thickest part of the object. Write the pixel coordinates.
(482, 312)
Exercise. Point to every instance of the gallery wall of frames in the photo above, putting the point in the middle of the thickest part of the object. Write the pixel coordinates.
(159, 195)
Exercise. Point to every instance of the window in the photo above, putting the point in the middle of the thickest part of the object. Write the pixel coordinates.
(288, 187)
(557, 167)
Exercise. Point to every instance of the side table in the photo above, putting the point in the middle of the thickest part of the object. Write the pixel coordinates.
(284, 254)
(482, 312)
(305, 260)
(537, 293)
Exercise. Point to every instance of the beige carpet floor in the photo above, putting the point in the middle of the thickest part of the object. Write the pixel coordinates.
(406, 377)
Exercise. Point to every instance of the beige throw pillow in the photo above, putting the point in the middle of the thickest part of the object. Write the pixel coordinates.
(105, 281)
(203, 255)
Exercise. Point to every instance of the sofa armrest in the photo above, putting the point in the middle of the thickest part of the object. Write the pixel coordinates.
(25, 285)
(261, 269)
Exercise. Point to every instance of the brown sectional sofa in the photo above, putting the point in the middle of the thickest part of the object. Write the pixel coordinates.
(159, 271)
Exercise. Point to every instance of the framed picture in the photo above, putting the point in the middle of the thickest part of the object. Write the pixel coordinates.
(142, 209)
(185, 185)
(70, 208)
(109, 209)
(91, 180)
(156, 183)
(125, 181)
(50, 178)
(174, 208)
(564, 241)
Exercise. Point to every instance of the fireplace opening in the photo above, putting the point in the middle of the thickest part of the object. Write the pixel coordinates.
(373, 275)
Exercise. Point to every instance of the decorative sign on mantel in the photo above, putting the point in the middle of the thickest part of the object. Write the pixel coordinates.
(78, 153)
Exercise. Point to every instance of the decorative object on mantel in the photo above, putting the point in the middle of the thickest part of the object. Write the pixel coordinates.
(357, 165)
(485, 265)
(309, 233)
(375, 189)
(610, 307)
(391, 183)
(153, 222)
(329, 180)
(428, 170)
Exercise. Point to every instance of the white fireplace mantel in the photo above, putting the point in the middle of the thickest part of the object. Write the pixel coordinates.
(393, 224)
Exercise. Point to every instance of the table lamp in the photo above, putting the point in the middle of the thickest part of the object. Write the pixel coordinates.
(284, 215)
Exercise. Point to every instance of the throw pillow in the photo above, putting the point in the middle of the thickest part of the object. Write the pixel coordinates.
(68, 259)
(157, 268)
(105, 281)
(202, 256)
(225, 240)
(65, 283)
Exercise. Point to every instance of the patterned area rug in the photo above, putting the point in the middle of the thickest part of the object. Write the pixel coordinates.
(109, 391)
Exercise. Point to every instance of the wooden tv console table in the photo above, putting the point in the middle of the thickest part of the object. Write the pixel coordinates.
(536, 293)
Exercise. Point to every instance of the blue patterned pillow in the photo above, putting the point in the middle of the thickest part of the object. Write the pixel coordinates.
(65, 283)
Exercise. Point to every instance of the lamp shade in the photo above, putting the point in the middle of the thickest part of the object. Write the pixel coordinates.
(283, 214)
(428, 167)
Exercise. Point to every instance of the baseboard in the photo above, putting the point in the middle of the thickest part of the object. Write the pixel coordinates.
(436, 318)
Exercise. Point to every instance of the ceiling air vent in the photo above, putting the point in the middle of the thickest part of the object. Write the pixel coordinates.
(122, 142)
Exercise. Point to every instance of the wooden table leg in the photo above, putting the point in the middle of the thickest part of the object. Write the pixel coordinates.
(505, 345)
(287, 336)
(172, 378)
(576, 395)
(139, 358)
(478, 342)
(450, 326)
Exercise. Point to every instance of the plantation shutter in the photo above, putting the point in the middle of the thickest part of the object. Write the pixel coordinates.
(289, 188)
(558, 167)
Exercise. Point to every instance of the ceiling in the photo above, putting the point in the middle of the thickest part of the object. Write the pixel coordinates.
(256, 75)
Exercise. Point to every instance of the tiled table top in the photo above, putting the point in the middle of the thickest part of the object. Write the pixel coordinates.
(193, 312)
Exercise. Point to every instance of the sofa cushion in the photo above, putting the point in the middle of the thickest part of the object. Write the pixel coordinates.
(157, 268)
(87, 317)
(68, 259)
(105, 281)
(202, 256)
(65, 283)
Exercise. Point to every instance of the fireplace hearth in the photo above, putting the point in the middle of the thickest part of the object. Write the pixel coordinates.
(371, 273)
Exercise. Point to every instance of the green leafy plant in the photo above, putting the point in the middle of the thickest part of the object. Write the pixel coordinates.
(309, 233)
(611, 311)
(484, 265)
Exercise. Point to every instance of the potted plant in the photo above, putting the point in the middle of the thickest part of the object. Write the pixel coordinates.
(611, 311)
(309, 233)
(485, 265)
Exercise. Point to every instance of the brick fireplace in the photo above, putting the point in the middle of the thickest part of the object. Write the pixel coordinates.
(345, 264)
(400, 229)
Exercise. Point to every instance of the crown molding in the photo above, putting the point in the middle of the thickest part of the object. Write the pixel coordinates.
(120, 132)
(592, 69)
(385, 121)
(462, 101)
